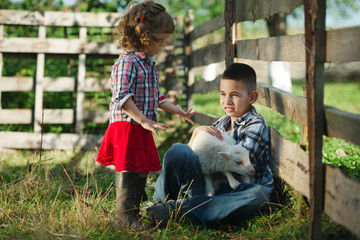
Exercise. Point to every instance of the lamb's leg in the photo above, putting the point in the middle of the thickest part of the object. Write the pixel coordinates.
(232, 181)
(246, 179)
(209, 188)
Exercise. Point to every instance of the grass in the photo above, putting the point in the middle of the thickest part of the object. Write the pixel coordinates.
(67, 195)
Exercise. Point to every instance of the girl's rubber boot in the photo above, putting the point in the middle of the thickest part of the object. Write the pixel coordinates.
(127, 201)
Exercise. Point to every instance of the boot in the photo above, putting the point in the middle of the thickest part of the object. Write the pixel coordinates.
(127, 201)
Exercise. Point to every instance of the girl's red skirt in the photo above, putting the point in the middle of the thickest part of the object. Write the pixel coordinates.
(130, 147)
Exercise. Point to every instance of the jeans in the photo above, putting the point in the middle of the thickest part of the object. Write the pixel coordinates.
(181, 176)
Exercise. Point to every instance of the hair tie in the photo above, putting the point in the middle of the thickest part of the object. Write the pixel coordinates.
(141, 19)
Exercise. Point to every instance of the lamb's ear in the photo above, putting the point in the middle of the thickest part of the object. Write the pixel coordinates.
(224, 155)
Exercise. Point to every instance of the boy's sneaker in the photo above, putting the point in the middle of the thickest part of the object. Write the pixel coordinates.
(161, 214)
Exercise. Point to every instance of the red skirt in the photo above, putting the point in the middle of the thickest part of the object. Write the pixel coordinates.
(129, 147)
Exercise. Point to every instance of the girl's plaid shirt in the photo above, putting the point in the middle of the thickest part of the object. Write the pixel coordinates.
(252, 132)
(135, 76)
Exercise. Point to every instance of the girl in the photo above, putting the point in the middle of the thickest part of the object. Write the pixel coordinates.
(128, 143)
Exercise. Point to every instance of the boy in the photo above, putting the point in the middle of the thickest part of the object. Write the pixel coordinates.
(181, 174)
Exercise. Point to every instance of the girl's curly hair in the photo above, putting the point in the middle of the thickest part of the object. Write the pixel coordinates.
(140, 25)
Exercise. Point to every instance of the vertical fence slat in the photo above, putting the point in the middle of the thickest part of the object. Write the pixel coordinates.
(229, 22)
(80, 85)
(315, 37)
(189, 75)
(1, 60)
(40, 66)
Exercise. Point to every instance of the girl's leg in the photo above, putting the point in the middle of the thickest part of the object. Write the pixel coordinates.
(180, 176)
(129, 187)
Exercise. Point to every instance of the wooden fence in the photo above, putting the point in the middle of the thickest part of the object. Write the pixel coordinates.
(79, 48)
(326, 187)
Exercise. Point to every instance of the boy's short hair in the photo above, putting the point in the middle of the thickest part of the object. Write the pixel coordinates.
(142, 24)
(241, 72)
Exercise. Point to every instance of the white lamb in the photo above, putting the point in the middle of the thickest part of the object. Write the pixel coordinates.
(222, 156)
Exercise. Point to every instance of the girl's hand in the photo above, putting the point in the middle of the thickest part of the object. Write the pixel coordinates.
(185, 115)
(152, 126)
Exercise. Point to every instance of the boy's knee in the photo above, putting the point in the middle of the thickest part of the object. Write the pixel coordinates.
(179, 154)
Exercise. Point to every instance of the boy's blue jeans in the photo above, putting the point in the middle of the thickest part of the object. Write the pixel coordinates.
(181, 176)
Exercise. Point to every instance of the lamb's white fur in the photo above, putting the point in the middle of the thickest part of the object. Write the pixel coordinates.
(221, 156)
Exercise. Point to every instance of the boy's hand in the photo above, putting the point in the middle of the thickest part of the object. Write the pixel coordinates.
(185, 115)
(209, 129)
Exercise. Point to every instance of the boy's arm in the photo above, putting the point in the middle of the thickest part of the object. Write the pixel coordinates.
(133, 111)
(169, 107)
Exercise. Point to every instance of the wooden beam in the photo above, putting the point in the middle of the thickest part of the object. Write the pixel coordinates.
(342, 198)
(60, 19)
(207, 27)
(207, 55)
(80, 86)
(260, 9)
(285, 103)
(290, 162)
(229, 24)
(315, 38)
(40, 67)
(50, 141)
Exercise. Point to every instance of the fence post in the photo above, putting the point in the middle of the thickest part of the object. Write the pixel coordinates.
(315, 39)
(229, 22)
(1, 60)
(80, 85)
(189, 76)
(40, 65)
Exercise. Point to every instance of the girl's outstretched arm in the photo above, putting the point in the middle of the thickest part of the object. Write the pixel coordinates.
(169, 107)
(133, 111)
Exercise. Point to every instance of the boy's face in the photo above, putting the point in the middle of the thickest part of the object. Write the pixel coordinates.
(235, 99)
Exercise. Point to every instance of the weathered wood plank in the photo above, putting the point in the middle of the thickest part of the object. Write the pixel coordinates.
(204, 119)
(53, 84)
(97, 84)
(63, 141)
(259, 9)
(287, 104)
(315, 42)
(342, 199)
(59, 84)
(15, 116)
(16, 84)
(229, 22)
(80, 86)
(341, 124)
(58, 46)
(290, 162)
(51, 116)
(65, 19)
(210, 54)
(343, 45)
(40, 68)
(207, 27)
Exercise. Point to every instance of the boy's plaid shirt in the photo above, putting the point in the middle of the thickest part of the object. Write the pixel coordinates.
(135, 76)
(252, 132)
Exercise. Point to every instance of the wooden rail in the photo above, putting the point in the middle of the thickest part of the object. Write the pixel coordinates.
(289, 160)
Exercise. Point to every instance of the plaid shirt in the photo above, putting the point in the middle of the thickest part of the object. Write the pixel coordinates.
(253, 133)
(135, 76)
